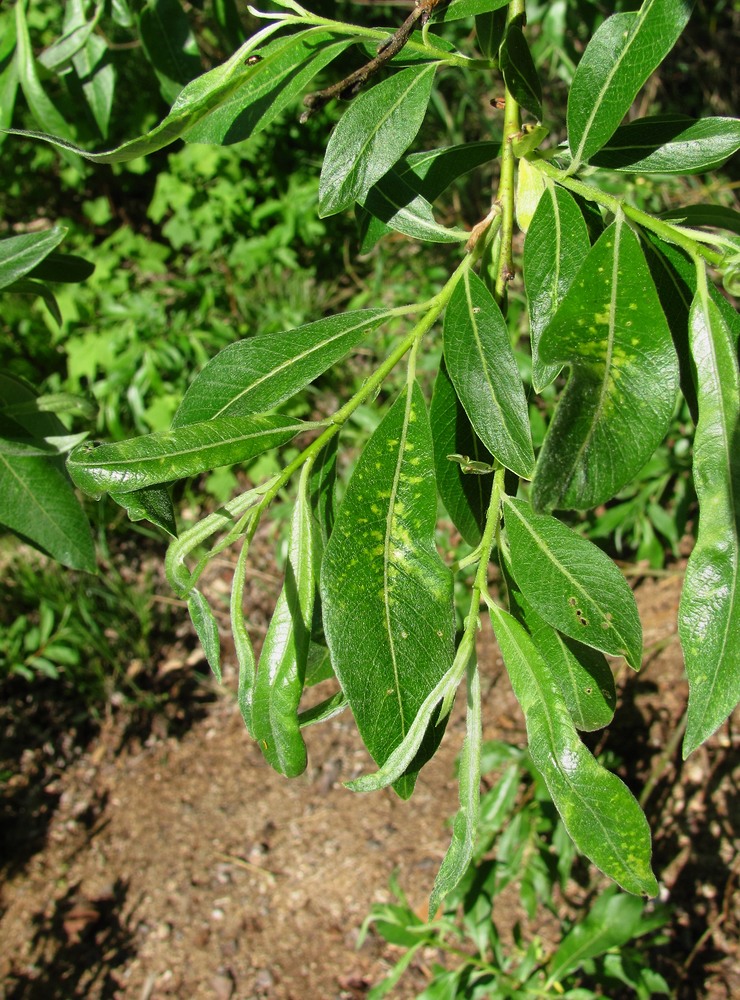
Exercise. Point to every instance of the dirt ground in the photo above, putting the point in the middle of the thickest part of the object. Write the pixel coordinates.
(157, 856)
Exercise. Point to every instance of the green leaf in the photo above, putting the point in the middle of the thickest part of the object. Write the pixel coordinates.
(612, 922)
(519, 72)
(490, 28)
(42, 108)
(599, 812)
(583, 674)
(397, 207)
(571, 583)
(197, 99)
(386, 594)
(556, 245)
(98, 78)
(373, 133)
(483, 370)
(709, 612)
(254, 375)
(322, 487)
(716, 216)
(621, 55)
(8, 71)
(465, 824)
(77, 30)
(153, 503)
(206, 628)
(164, 29)
(670, 144)
(282, 666)
(622, 389)
(458, 10)
(286, 66)
(67, 268)
(187, 451)
(466, 498)
(19, 255)
(423, 176)
(38, 503)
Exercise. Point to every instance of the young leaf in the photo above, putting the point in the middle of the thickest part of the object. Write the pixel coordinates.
(465, 825)
(386, 594)
(322, 487)
(583, 674)
(242, 642)
(530, 186)
(466, 497)
(557, 243)
(98, 78)
(8, 71)
(598, 810)
(286, 67)
(490, 28)
(164, 457)
(622, 389)
(206, 628)
(571, 583)
(519, 71)
(254, 375)
(670, 144)
(282, 665)
(373, 133)
(709, 614)
(483, 370)
(621, 55)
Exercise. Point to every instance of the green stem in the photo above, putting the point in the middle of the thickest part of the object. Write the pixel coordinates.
(505, 194)
(666, 231)
(379, 35)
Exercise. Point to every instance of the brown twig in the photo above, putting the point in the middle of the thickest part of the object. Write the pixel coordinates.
(349, 86)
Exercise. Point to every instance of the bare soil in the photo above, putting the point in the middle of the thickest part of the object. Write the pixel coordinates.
(157, 855)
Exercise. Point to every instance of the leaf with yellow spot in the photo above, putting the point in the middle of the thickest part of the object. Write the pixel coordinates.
(386, 594)
(598, 810)
(616, 408)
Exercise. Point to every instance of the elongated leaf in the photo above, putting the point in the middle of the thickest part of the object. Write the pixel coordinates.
(670, 144)
(77, 31)
(19, 255)
(490, 28)
(386, 594)
(709, 614)
(622, 388)
(466, 497)
(583, 674)
(43, 109)
(254, 375)
(98, 79)
(572, 584)
(282, 666)
(242, 641)
(286, 66)
(716, 216)
(557, 243)
(373, 133)
(37, 502)
(322, 487)
(64, 267)
(620, 57)
(164, 29)
(458, 10)
(598, 810)
(415, 182)
(164, 457)
(530, 186)
(613, 920)
(465, 825)
(395, 204)
(8, 71)
(483, 370)
(193, 103)
(519, 71)
(153, 503)
(206, 628)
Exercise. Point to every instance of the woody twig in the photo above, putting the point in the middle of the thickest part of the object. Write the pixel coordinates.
(349, 86)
